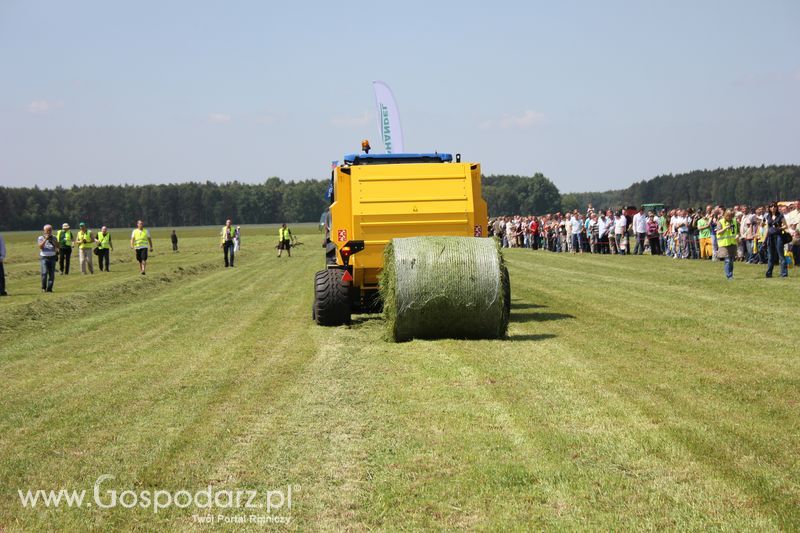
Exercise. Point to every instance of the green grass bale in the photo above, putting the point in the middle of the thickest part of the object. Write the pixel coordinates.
(444, 287)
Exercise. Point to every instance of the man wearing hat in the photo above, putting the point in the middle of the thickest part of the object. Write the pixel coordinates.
(64, 238)
(85, 245)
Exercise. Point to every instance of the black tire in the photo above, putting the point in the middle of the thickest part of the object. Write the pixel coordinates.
(506, 290)
(331, 298)
(317, 276)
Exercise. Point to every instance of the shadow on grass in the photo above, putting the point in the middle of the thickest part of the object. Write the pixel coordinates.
(538, 317)
(531, 337)
(526, 306)
(359, 320)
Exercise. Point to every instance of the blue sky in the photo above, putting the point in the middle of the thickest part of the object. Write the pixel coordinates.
(595, 95)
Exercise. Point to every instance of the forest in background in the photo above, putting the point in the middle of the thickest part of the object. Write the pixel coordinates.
(275, 200)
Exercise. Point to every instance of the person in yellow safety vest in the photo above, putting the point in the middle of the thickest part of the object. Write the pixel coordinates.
(85, 242)
(64, 238)
(227, 242)
(140, 238)
(284, 240)
(727, 240)
(104, 247)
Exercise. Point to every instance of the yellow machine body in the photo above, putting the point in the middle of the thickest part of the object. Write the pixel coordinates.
(378, 202)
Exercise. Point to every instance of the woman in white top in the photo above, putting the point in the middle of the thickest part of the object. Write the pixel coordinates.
(620, 225)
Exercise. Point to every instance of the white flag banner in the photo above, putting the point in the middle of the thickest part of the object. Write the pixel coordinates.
(388, 119)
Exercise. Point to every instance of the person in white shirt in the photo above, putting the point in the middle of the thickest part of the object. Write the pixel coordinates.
(640, 229)
(48, 252)
(575, 228)
(620, 227)
(603, 225)
(793, 221)
(593, 233)
(680, 233)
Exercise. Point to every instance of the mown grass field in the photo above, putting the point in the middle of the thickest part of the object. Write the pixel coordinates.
(632, 392)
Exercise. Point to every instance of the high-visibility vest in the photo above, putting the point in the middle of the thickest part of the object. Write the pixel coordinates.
(105, 240)
(227, 234)
(284, 234)
(140, 238)
(730, 230)
(64, 237)
(87, 236)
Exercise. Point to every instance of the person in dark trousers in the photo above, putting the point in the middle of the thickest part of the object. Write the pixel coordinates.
(640, 230)
(140, 238)
(727, 230)
(776, 226)
(2, 268)
(104, 247)
(65, 238)
(653, 235)
(174, 238)
(284, 240)
(48, 249)
(228, 233)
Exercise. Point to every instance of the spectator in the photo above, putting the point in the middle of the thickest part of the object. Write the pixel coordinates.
(227, 243)
(692, 235)
(104, 247)
(594, 234)
(140, 238)
(653, 236)
(85, 242)
(640, 229)
(604, 226)
(284, 240)
(64, 237)
(48, 250)
(727, 241)
(776, 227)
(662, 230)
(534, 230)
(620, 227)
(174, 239)
(748, 233)
(575, 227)
(793, 221)
(680, 235)
(704, 237)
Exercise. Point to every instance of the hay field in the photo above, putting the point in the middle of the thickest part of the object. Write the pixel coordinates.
(632, 392)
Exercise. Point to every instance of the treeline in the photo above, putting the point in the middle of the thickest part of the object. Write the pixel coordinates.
(723, 186)
(193, 204)
(179, 204)
(508, 195)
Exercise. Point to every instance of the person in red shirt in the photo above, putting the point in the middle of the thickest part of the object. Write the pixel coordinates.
(534, 227)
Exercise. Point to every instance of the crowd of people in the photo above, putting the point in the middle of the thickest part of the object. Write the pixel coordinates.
(55, 249)
(764, 234)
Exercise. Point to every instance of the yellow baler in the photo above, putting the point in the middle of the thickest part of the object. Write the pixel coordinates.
(377, 198)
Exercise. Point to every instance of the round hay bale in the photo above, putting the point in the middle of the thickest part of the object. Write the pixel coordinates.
(445, 287)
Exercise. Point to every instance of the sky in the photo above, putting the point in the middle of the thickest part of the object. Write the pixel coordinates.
(594, 95)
